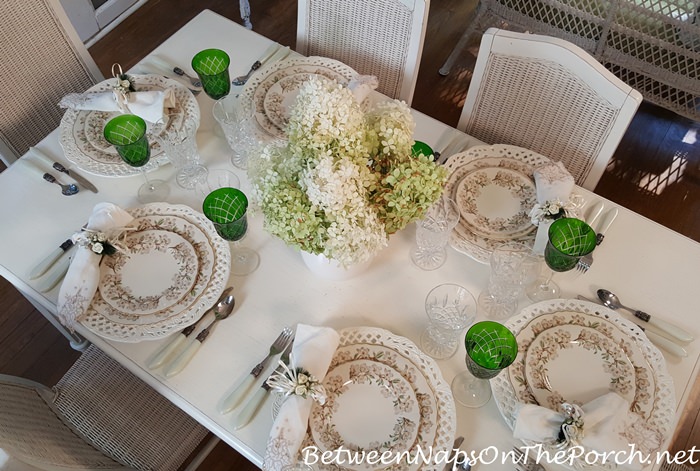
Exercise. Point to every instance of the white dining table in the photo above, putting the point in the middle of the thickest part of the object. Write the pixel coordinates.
(646, 264)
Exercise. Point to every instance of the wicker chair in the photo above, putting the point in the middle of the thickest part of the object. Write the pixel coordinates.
(375, 37)
(42, 59)
(98, 416)
(550, 96)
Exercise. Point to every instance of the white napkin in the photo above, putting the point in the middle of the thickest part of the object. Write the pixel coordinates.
(362, 85)
(149, 105)
(313, 350)
(554, 183)
(608, 426)
(80, 283)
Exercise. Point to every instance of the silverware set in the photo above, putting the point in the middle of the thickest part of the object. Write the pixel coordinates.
(282, 346)
(592, 215)
(176, 354)
(456, 142)
(525, 463)
(276, 51)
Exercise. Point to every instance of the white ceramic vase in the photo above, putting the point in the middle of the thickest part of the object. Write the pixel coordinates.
(330, 269)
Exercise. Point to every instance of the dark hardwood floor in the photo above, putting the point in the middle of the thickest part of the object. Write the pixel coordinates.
(655, 171)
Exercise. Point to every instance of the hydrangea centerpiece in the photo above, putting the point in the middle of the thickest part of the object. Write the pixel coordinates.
(346, 178)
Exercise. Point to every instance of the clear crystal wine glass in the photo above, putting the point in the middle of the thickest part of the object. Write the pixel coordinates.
(127, 133)
(569, 240)
(491, 347)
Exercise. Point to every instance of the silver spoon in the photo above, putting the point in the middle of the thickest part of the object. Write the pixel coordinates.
(222, 310)
(194, 81)
(238, 81)
(613, 302)
(67, 190)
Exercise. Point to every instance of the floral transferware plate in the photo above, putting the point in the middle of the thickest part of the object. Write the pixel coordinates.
(654, 396)
(253, 94)
(389, 425)
(203, 247)
(557, 352)
(517, 159)
(419, 382)
(157, 271)
(81, 130)
(213, 258)
(282, 95)
(644, 380)
(495, 202)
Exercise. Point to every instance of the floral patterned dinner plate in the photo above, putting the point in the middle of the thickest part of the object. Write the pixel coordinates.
(81, 130)
(654, 397)
(495, 201)
(282, 95)
(557, 352)
(213, 259)
(464, 238)
(156, 272)
(255, 90)
(410, 404)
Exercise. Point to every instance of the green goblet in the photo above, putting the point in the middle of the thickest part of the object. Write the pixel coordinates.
(569, 240)
(491, 347)
(211, 66)
(226, 208)
(127, 133)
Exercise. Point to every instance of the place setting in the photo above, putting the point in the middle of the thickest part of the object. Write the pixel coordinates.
(163, 104)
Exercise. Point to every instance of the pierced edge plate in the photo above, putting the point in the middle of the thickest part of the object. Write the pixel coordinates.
(446, 413)
(79, 150)
(136, 333)
(254, 101)
(461, 239)
(662, 416)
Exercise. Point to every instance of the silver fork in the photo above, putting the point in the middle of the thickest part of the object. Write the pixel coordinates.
(283, 340)
(521, 464)
(194, 81)
(584, 263)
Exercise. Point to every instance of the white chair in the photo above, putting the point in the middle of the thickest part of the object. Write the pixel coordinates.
(98, 416)
(42, 59)
(375, 37)
(549, 96)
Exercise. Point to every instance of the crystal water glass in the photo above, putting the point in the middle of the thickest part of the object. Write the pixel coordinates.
(180, 146)
(238, 125)
(451, 308)
(513, 266)
(433, 232)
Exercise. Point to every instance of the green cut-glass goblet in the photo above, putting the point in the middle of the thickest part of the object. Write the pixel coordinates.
(211, 66)
(226, 208)
(127, 133)
(569, 240)
(491, 347)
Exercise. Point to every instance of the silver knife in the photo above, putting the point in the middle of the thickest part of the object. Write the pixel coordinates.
(72, 173)
(453, 452)
(253, 404)
(50, 259)
(656, 339)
